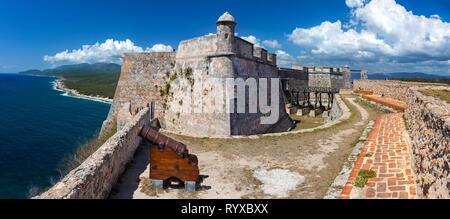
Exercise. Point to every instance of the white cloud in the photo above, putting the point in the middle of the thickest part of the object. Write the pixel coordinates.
(380, 31)
(252, 39)
(274, 44)
(160, 48)
(355, 3)
(109, 51)
(284, 59)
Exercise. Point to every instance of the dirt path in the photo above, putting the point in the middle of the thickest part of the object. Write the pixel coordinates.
(230, 164)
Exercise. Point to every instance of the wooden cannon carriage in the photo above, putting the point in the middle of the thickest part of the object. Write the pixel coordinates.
(170, 159)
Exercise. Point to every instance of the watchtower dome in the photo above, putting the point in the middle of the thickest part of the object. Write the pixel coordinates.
(226, 25)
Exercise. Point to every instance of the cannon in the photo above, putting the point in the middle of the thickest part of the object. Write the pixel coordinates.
(170, 160)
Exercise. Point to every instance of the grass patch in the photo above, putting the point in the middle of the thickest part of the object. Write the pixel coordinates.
(363, 177)
(306, 122)
(441, 94)
(370, 105)
(405, 122)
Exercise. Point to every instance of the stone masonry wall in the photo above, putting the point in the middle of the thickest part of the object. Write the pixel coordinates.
(389, 88)
(428, 121)
(143, 79)
(210, 57)
(319, 80)
(250, 123)
(336, 111)
(295, 81)
(95, 177)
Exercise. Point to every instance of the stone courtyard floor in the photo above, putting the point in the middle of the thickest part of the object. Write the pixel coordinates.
(310, 159)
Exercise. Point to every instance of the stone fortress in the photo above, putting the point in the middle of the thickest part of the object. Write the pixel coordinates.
(166, 81)
(159, 85)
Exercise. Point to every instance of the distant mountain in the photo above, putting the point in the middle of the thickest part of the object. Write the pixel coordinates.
(98, 79)
(84, 68)
(417, 76)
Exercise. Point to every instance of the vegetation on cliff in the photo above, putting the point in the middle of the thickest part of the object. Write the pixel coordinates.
(85, 150)
(89, 79)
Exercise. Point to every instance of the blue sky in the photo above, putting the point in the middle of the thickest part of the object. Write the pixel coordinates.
(306, 32)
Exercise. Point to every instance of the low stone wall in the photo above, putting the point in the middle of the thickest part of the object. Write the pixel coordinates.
(389, 88)
(95, 177)
(428, 119)
(389, 102)
(335, 112)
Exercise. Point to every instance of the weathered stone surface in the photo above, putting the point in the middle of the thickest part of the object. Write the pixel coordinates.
(294, 80)
(303, 111)
(335, 112)
(95, 177)
(316, 112)
(428, 123)
(388, 88)
(142, 79)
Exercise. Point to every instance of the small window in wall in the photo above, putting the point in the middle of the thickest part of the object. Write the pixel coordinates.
(227, 35)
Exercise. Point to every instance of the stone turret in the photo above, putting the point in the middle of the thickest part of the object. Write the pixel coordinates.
(225, 25)
(225, 32)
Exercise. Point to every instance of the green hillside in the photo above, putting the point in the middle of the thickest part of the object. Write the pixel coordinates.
(90, 79)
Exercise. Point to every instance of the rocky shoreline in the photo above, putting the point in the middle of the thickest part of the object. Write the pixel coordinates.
(59, 85)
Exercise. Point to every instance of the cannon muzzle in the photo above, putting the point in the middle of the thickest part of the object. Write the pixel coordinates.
(163, 141)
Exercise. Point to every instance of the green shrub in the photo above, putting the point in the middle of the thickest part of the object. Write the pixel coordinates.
(363, 177)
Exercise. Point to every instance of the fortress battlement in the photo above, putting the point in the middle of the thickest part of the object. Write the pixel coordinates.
(166, 81)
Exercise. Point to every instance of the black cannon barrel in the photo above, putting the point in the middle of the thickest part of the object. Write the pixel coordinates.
(163, 141)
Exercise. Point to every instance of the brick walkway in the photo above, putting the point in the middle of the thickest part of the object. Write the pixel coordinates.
(386, 153)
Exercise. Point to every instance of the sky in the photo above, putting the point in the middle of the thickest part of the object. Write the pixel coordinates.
(378, 35)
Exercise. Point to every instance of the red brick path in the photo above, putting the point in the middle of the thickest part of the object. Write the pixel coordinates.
(386, 153)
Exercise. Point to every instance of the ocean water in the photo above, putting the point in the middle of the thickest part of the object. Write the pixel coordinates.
(38, 127)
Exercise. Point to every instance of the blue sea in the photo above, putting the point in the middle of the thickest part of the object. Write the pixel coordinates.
(39, 126)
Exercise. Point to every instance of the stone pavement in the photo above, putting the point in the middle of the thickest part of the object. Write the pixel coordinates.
(387, 153)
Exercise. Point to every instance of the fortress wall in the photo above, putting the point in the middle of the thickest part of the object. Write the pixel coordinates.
(180, 116)
(319, 80)
(429, 128)
(346, 73)
(142, 78)
(389, 88)
(217, 123)
(95, 177)
(200, 46)
(243, 48)
(337, 80)
(295, 80)
(250, 123)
